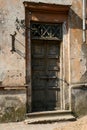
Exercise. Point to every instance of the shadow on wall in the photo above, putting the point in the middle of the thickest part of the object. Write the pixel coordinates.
(84, 50)
(75, 20)
(20, 28)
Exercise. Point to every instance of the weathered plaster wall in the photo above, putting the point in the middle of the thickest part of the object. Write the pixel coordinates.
(12, 66)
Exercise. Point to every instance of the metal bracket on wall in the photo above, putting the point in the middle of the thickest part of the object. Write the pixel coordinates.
(13, 42)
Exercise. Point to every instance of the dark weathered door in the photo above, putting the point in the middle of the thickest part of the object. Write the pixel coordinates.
(45, 75)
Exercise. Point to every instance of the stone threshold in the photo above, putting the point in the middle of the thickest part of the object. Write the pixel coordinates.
(49, 116)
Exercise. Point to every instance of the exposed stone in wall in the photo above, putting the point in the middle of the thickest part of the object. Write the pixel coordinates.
(12, 105)
(79, 101)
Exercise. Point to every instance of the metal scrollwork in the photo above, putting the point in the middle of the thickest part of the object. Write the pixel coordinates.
(46, 31)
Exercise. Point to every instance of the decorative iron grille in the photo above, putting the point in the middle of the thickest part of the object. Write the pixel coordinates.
(46, 31)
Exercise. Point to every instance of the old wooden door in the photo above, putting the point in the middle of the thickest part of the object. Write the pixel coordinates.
(45, 75)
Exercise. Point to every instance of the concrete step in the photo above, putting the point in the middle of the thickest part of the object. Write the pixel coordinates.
(49, 116)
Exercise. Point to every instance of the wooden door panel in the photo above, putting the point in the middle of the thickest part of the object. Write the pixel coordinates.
(38, 95)
(38, 106)
(39, 100)
(51, 106)
(52, 83)
(38, 64)
(52, 96)
(53, 73)
(37, 82)
(38, 50)
(53, 50)
(45, 76)
(53, 64)
(52, 100)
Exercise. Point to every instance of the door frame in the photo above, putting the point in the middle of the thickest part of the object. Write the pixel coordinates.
(50, 13)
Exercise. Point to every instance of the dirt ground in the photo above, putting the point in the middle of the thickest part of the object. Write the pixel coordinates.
(23, 126)
(80, 124)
